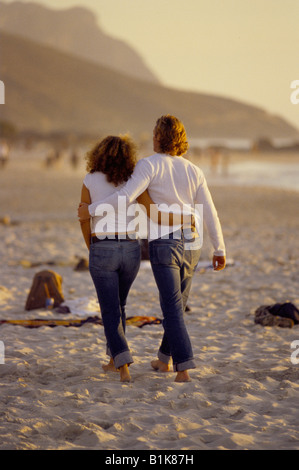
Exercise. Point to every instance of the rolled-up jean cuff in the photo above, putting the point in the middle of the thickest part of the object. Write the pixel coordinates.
(184, 366)
(123, 358)
(164, 357)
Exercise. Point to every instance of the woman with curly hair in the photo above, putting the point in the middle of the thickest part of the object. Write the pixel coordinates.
(172, 179)
(114, 254)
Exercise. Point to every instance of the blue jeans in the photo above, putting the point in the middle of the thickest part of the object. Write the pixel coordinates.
(173, 268)
(113, 265)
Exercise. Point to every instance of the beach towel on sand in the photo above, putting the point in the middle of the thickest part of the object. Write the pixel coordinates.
(138, 321)
(285, 315)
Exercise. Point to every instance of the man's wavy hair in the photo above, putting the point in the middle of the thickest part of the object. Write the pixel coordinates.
(113, 156)
(171, 135)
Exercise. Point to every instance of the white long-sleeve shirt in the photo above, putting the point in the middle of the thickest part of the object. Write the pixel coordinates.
(170, 180)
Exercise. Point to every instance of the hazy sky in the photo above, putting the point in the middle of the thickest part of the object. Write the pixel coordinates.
(244, 49)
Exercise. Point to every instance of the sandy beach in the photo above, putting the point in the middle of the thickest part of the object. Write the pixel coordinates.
(53, 392)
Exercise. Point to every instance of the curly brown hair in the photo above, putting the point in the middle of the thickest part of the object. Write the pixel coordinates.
(115, 157)
(171, 135)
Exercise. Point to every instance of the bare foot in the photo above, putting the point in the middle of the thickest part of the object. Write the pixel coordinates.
(160, 366)
(183, 376)
(124, 373)
(110, 367)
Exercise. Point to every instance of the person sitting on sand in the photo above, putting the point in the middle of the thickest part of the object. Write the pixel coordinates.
(4, 153)
(172, 179)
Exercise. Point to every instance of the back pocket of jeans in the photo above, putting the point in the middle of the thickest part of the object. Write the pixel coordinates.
(163, 254)
(103, 258)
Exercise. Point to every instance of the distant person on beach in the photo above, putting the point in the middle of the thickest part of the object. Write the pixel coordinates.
(214, 154)
(4, 153)
(53, 158)
(74, 159)
(170, 179)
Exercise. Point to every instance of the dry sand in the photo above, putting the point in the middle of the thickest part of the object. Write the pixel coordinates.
(244, 393)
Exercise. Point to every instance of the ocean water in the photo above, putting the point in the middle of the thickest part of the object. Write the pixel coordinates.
(273, 173)
(255, 173)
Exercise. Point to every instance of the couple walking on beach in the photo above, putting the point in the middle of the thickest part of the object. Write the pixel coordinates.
(169, 188)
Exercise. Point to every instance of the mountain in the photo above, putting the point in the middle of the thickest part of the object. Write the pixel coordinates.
(75, 31)
(47, 90)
